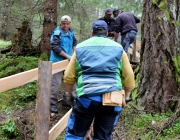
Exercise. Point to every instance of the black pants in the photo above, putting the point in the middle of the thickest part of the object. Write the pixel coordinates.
(105, 118)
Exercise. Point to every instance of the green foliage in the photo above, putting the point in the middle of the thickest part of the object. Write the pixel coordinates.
(14, 65)
(5, 99)
(162, 4)
(175, 129)
(177, 23)
(18, 98)
(177, 67)
(9, 129)
(158, 35)
(135, 93)
(154, 2)
(44, 56)
(7, 111)
(141, 125)
(32, 136)
(4, 44)
(158, 117)
(25, 94)
(29, 95)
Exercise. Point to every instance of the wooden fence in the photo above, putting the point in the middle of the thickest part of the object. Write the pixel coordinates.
(19, 79)
(16, 80)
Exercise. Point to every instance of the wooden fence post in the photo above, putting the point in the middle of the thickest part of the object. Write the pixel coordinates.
(43, 101)
(134, 51)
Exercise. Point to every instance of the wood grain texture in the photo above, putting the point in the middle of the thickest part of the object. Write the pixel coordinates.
(43, 101)
(19, 79)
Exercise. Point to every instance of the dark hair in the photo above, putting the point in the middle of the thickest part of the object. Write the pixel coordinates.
(115, 11)
(100, 32)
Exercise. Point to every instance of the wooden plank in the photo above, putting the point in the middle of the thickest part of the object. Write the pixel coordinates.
(43, 101)
(19, 79)
(59, 66)
(130, 51)
(134, 51)
(60, 126)
(138, 44)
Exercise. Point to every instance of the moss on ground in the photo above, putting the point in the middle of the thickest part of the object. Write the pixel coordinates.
(14, 65)
(4, 44)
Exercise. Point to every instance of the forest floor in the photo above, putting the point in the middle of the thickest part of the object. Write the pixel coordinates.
(24, 120)
(133, 124)
(17, 111)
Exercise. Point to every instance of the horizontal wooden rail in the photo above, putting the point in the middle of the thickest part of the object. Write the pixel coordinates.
(19, 79)
(59, 127)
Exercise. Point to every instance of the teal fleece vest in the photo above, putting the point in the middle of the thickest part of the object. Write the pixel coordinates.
(98, 66)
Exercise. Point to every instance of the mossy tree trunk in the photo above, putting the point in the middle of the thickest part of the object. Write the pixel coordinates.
(50, 22)
(5, 19)
(158, 82)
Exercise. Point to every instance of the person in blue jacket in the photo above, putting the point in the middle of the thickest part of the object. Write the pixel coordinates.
(63, 44)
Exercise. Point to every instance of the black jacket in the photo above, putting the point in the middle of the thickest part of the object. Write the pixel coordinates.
(125, 22)
(110, 23)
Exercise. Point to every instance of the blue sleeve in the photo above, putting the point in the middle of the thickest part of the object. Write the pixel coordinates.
(55, 44)
(74, 41)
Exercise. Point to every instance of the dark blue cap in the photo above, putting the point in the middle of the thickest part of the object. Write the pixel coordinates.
(99, 25)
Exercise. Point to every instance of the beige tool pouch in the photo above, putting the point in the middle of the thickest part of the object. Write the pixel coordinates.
(115, 98)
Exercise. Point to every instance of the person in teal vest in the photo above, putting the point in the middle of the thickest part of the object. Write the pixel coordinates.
(99, 66)
(63, 44)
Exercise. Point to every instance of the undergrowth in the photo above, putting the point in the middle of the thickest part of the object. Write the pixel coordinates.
(133, 123)
(19, 98)
(9, 129)
(136, 124)
(4, 44)
(13, 65)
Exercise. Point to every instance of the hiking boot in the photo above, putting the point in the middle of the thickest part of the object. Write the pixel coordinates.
(53, 109)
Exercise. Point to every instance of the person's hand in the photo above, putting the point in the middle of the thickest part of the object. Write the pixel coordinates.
(69, 57)
(127, 95)
(68, 100)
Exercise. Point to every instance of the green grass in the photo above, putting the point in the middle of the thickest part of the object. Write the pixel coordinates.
(144, 126)
(4, 44)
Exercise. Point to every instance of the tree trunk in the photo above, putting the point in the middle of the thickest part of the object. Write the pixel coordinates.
(5, 19)
(50, 22)
(157, 72)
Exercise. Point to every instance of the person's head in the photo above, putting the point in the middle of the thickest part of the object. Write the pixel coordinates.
(108, 13)
(99, 27)
(116, 12)
(65, 22)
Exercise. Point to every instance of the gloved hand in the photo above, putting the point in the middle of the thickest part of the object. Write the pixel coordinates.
(69, 57)
(68, 100)
(127, 96)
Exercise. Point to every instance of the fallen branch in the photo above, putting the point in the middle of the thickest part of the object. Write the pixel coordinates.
(173, 118)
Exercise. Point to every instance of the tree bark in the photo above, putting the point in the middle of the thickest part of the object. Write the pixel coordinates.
(5, 19)
(50, 22)
(157, 72)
